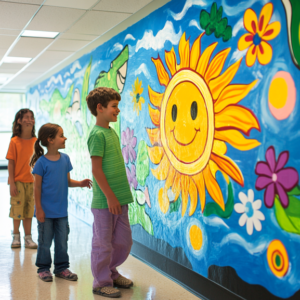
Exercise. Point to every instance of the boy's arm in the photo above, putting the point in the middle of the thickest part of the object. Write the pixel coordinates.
(112, 201)
(40, 214)
(11, 178)
(82, 183)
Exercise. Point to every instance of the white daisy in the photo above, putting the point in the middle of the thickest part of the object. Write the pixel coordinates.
(250, 212)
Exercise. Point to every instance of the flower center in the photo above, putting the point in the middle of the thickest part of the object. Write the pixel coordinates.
(137, 97)
(256, 39)
(249, 209)
(274, 177)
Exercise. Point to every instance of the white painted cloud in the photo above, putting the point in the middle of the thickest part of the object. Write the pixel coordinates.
(116, 47)
(67, 86)
(237, 54)
(239, 6)
(238, 26)
(142, 69)
(129, 37)
(67, 74)
(157, 42)
(76, 65)
(215, 221)
(188, 4)
(54, 80)
(195, 24)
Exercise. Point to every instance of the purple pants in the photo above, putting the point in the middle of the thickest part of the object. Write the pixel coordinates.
(111, 245)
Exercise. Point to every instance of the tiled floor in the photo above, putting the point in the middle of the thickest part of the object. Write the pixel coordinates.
(19, 280)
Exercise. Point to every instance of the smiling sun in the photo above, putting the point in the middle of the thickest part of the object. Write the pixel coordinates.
(195, 116)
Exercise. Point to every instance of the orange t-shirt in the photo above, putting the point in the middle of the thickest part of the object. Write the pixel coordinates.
(21, 150)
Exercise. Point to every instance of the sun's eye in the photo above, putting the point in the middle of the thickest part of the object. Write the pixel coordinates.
(174, 112)
(194, 110)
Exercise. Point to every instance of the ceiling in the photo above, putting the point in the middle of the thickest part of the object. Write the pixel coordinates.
(79, 23)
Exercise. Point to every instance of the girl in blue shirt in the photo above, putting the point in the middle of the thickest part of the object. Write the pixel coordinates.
(52, 179)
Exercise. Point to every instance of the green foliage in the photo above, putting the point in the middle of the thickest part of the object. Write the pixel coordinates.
(174, 206)
(213, 208)
(142, 163)
(213, 22)
(289, 219)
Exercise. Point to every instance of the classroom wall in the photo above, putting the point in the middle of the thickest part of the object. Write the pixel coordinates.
(209, 133)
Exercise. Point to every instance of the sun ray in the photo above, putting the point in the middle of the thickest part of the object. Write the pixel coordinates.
(154, 136)
(185, 181)
(217, 85)
(170, 57)
(236, 139)
(236, 117)
(176, 186)
(204, 59)
(154, 115)
(170, 178)
(219, 147)
(233, 94)
(155, 97)
(193, 197)
(156, 154)
(215, 67)
(199, 181)
(213, 188)
(214, 169)
(161, 172)
(162, 74)
(195, 52)
(184, 53)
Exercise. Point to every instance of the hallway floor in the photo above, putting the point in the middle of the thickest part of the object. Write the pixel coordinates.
(19, 279)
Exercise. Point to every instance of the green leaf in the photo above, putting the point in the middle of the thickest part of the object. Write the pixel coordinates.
(227, 34)
(213, 208)
(210, 29)
(295, 191)
(142, 163)
(213, 12)
(204, 19)
(174, 206)
(288, 219)
(221, 26)
(219, 14)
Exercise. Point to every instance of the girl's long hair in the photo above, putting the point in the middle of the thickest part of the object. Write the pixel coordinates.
(47, 131)
(17, 128)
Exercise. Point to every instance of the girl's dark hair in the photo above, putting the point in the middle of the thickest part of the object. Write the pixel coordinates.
(48, 130)
(17, 128)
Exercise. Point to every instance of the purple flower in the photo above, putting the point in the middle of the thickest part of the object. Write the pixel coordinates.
(274, 178)
(129, 142)
(131, 176)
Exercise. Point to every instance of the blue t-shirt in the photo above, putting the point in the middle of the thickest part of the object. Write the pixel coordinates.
(54, 195)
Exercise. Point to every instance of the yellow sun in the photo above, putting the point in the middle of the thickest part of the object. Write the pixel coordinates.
(194, 117)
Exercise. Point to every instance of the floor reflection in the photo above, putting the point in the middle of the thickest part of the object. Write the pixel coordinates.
(19, 280)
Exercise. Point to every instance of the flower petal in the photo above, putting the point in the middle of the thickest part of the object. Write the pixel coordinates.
(251, 56)
(250, 195)
(270, 158)
(259, 215)
(243, 220)
(250, 21)
(256, 204)
(243, 198)
(264, 53)
(262, 182)
(282, 160)
(288, 178)
(239, 208)
(245, 41)
(271, 31)
(270, 195)
(283, 197)
(262, 168)
(264, 18)
(125, 154)
(257, 224)
(250, 226)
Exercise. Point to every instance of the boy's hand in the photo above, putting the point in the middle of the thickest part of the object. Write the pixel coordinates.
(13, 190)
(114, 206)
(40, 215)
(86, 183)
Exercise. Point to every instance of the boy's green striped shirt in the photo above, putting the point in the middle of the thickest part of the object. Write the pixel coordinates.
(104, 142)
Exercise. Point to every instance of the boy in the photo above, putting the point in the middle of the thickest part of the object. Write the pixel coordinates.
(112, 239)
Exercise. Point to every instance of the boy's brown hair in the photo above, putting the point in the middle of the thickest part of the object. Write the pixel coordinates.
(101, 95)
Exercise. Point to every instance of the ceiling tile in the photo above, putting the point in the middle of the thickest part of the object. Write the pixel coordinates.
(51, 18)
(86, 4)
(96, 22)
(16, 15)
(128, 6)
(6, 41)
(81, 37)
(11, 68)
(29, 47)
(25, 1)
(68, 45)
(11, 32)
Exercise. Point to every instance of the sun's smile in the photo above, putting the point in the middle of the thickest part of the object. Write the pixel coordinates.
(197, 96)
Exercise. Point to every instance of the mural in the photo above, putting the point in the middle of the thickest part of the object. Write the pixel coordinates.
(209, 133)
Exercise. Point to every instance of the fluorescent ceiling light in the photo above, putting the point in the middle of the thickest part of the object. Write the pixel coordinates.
(4, 77)
(40, 34)
(16, 60)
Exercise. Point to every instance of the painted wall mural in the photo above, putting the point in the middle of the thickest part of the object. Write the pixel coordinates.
(208, 130)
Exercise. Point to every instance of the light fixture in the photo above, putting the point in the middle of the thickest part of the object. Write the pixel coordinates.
(16, 60)
(4, 77)
(40, 34)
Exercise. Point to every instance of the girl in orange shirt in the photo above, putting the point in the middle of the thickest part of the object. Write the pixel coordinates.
(20, 179)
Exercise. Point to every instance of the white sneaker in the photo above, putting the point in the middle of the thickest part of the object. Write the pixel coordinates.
(16, 243)
(29, 243)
